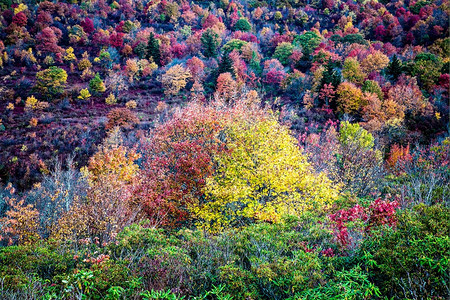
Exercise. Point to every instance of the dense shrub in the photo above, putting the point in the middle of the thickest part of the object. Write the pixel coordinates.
(411, 260)
(122, 117)
(264, 261)
(51, 81)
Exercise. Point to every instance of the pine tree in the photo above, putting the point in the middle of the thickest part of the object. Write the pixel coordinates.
(226, 64)
(330, 75)
(96, 85)
(210, 42)
(395, 68)
(153, 49)
(255, 64)
(332, 78)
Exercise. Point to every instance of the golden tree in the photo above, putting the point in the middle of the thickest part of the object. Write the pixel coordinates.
(107, 209)
(175, 79)
(350, 98)
(375, 62)
(352, 71)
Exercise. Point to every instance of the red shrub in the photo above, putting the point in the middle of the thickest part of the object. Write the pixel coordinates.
(342, 218)
(116, 39)
(88, 25)
(382, 212)
(20, 19)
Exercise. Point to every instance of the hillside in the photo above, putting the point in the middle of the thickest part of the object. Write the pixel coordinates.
(224, 149)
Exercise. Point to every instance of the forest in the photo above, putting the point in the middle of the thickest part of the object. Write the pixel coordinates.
(224, 150)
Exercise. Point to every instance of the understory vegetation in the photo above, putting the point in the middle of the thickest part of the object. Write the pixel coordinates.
(224, 149)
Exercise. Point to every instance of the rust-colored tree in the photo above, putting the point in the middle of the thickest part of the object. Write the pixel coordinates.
(122, 117)
(21, 222)
(226, 87)
(178, 159)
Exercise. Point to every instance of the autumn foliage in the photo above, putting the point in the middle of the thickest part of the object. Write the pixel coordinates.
(224, 149)
(175, 79)
(21, 223)
(220, 165)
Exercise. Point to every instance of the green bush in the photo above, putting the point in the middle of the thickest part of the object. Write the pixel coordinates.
(20, 264)
(353, 284)
(234, 44)
(242, 25)
(51, 81)
(283, 52)
(412, 260)
(353, 133)
(273, 262)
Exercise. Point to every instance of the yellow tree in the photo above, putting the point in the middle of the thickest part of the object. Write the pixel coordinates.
(175, 79)
(263, 175)
(374, 62)
(51, 81)
(350, 98)
(113, 160)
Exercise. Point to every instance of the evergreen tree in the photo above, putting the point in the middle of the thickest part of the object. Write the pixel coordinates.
(210, 42)
(330, 75)
(255, 64)
(395, 68)
(96, 85)
(153, 49)
(226, 64)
